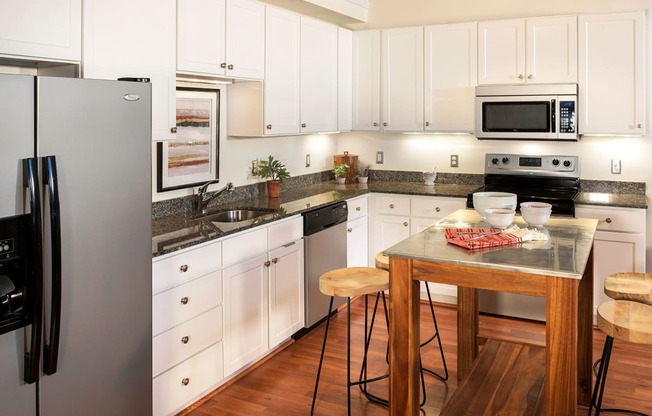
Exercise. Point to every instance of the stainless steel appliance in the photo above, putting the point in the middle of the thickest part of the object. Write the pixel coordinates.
(325, 249)
(75, 246)
(534, 112)
(552, 179)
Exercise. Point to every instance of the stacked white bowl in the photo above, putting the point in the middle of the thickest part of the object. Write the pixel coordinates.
(536, 214)
(486, 200)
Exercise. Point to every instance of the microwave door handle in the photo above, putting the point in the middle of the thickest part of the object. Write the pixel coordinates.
(51, 347)
(553, 115)
(33, 356)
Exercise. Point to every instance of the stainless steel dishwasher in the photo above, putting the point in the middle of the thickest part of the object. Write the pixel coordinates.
(324, 231)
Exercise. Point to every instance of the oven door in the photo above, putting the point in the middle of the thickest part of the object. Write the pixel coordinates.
(516, 117)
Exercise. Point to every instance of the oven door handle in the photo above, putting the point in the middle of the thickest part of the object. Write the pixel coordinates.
(35, 272)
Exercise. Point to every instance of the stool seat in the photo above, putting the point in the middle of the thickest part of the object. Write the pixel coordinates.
(626, 321)
(629, 286)
(353, 281)
(382, 261)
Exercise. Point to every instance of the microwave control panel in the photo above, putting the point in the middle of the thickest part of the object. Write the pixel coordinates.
(566, 116)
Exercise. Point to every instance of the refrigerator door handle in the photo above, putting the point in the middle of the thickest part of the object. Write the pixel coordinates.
(51, 347)
(31, 182)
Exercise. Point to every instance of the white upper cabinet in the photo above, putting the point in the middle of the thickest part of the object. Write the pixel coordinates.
(402, 79)
(47, 29)
(533, 51)
(344, 80)
(123, 38)
(451, 65)
(318, 76)
(611, 74)
(366, 80)
(221, 37)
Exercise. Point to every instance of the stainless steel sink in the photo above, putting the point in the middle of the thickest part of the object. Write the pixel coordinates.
(235, 215)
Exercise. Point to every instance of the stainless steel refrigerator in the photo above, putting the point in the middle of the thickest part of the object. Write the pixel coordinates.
(75, 247)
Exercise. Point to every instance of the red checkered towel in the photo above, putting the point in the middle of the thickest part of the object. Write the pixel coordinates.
(472, 242)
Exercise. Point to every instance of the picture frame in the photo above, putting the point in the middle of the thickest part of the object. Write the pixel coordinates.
(191, 159)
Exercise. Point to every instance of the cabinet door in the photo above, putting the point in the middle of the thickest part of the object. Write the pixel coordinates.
(357, 243)
(366, 80)
(123, 38)
(286, 293)
(245, 39)
(344, 80)
(200, 36)
(611, 73)
(501, 52)
(451, 74)
(245, 313)
(318, 76)
(551, 50)
(402, 79)
(389, 230)
(48, 29)
(282, 82)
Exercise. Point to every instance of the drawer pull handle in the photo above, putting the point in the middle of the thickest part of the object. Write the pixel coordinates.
(183, 268)
(405, 224)
(185, 381)
(608, 220)
(184, 300)
(349, 230)
(358, 208)
(267, 263)
(391, 206)
(437, 209)
(185, 339)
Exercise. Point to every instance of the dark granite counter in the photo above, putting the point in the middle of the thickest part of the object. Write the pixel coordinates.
(611, 200)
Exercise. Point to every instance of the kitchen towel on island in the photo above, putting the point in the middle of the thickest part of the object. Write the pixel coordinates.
(474, 238)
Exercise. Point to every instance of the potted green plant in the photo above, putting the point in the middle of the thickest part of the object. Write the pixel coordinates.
(362, 173)
(275, 172)
(340, 173)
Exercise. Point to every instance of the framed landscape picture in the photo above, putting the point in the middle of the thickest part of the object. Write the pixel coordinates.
(192, 158)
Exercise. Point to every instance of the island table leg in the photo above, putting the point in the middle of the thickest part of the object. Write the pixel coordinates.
(468, 323)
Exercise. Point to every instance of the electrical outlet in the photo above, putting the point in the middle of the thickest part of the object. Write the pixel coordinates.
(380, 157)
(308, 160)
(254, 167)
(615, 166)
(455, 161)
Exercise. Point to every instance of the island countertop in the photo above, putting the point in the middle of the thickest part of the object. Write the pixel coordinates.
(564, 254)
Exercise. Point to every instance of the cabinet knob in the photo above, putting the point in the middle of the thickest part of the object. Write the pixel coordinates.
(437, 209)
(375, 124)
(185, 381)
(230, 66)
(223, 65)
(405, 224)
(391, 206)
(608, 220)
(358, 208)
(269, 127)
(427, 123)
(184, 300)
(349, 230)
(520, 76)
(639, 126)
(385, 124)
(530, 76)
(183, 268)
(267, 263)
(173, 130)
(275, 260)
(185, 339)
(303, 125)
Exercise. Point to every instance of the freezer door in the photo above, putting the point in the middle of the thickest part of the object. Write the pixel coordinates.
(101, 141)
(16, 143)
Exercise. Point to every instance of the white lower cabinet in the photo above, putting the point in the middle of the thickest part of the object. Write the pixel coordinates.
(619, 244)
(285, 292)
(357, 243)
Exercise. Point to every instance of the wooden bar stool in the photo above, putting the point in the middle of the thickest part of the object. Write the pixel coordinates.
(382, 262)
(629, 286)
(625, 321)
(350, 282)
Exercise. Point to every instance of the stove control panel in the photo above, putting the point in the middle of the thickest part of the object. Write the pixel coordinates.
(548, 165)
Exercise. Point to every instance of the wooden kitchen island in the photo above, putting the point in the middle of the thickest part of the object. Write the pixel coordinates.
(559, 269)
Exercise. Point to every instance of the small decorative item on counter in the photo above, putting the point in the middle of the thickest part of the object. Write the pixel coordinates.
(351, 161)
(276, 173)
(340, 172)
(429, 177)
(363, 173)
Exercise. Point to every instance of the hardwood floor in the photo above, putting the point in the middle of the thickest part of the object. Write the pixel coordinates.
(283, 385)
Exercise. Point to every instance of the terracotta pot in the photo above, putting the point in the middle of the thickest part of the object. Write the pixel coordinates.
(273, 188)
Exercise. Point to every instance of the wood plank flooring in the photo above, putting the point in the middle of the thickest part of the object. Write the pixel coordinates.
(284, 384)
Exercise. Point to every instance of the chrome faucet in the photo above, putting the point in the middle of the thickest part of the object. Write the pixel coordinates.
(203, 199)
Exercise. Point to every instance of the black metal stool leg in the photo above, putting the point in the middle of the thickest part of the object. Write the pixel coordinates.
(321, 358)
(348, 355)
(601, 378)
(443, 377)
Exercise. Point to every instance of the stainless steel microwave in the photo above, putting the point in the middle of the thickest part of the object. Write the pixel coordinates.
(532, 112)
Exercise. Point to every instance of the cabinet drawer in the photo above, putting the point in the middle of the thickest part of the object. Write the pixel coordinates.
(435, 207)
(244, 246)
(284, 232)
(185, 383)
(187, 265)
(358, 208)
(181, 303)
(183, 341)
(392, 205)
(614, 219)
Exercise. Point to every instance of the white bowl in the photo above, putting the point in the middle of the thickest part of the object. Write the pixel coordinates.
(536, 213)
(485, 200)
(499, 217)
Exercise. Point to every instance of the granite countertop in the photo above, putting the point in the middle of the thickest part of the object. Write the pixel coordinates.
(180, 230)
(564, 254)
